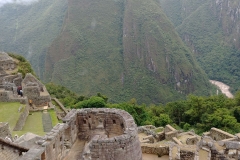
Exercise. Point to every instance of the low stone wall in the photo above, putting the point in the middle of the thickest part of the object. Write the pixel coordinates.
(192, 140)
(10, 151)
(5, 130)
(217, 134)
(187, 155)
(60, 105)
(153, 149)
(22, 119)
(169, 128)
(170, 135)
(4, 96)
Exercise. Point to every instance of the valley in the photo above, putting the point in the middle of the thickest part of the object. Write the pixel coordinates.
(153, 51)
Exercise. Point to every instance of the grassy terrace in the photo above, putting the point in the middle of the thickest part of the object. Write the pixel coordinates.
(9, 113)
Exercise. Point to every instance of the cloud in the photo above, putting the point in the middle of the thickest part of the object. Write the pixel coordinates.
(21, 2)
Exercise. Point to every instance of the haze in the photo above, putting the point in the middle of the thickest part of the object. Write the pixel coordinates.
(22, 2)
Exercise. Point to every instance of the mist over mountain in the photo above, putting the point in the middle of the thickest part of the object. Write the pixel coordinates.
(123, 49)
(19, 2)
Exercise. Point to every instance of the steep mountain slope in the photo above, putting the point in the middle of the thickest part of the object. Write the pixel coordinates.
(211, 30)
(123, 48)
(28, 29)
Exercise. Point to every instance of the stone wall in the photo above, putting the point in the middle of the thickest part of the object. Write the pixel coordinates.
(217, 134)
(4, 96)
(35, 91)
(187, 155)
(192, 140)
(22, 118)
(153, 149)
(5, 130)
(10, 151)
(170, 132)
(6, 62)
(120, 140)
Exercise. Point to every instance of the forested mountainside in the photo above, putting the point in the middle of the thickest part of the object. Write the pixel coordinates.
(210, 28)
(29, 29)
(123, 49)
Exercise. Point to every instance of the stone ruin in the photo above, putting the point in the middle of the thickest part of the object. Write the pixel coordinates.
(33, 89)
(109, 134)
(213, 145)
(88, 134)
(7, 62)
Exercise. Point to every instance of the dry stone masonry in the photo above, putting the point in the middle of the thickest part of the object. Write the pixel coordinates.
(107, 134)
(177, 145)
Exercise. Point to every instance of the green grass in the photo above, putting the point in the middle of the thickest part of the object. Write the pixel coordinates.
(9, 113)
(34, 124)
(53, 117)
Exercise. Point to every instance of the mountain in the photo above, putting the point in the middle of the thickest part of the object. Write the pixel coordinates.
(210, 28)
(29, 29)
(123, 49)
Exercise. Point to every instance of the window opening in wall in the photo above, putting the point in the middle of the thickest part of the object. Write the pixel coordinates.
(60, 138)
(89, 116)
(43, 156)
(122, 125)
(89, 125)
(84, 121)
(54, 146)
(114, 121)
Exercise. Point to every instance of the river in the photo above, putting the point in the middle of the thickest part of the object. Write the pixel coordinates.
(223, 87)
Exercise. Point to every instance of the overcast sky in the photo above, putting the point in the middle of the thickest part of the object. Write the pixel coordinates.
(23, 2)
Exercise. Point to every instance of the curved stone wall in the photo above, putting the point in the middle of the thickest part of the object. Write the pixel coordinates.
(113, 134)
(108, 134)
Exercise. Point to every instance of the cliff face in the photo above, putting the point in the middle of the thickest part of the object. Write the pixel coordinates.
(123, 49)
(211, 31)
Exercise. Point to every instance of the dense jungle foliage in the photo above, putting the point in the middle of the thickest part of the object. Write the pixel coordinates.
(196, 112)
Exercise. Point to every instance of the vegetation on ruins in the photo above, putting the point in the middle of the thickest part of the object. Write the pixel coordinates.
(196, 112)
(23, 66)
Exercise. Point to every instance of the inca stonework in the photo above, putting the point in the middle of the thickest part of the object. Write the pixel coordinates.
(90, 134)
(32, 88)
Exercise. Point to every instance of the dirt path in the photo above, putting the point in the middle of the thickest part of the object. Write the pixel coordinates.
(223, 87)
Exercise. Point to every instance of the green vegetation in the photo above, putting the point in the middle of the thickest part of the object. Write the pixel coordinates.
(210, 30)
(53, 117)
(29, 29)
(198, 113)
(9, 112)
(33, 124)
(123, 50)
(23, 66)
